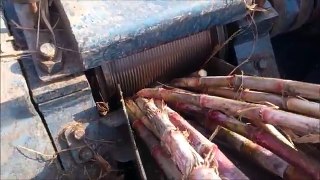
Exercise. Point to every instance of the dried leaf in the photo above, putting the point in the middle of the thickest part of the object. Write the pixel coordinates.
(310, 138)
(105, 166)
(185, 134)
(255, 7)
(103, 108)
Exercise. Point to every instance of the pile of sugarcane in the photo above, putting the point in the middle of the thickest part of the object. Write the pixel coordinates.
(262, 118)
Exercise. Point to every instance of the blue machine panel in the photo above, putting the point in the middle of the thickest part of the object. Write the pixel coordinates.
(109, 30)
(22, 129)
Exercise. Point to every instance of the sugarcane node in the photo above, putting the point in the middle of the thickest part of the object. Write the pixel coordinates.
(284, 102)
(232, 80)
(289, 90)
(238, 83)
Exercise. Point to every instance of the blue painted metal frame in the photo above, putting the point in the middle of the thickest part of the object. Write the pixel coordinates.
(109, 30)
(59, 102)
(21, 125)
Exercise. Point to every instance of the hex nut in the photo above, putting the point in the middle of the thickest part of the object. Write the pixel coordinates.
(50, 66)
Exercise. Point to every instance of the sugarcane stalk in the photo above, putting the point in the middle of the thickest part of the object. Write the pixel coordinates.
(132, 106)
(257, 153)
(259, 136)
(189, 162)
(260, 155)
(202, 145)
(273, 85)
(264, 139)
(294, 104)
(268, 141)
(161, 157)
(303, 106)
(258, 114)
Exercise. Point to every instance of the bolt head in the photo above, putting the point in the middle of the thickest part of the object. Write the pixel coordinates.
(79, 134)
(262, 64)
(47, 50)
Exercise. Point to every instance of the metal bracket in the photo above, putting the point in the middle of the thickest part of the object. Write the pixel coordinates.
(68, 59)
(256, 49)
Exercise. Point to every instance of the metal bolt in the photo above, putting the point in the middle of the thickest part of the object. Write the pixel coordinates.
(51, 61)
(262, 64)
(47, 51)
(85, 154)
(79, 134)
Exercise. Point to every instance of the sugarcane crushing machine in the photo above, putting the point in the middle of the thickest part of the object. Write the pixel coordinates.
(63, 59)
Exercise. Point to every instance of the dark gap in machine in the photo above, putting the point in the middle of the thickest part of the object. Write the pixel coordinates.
(297, 53)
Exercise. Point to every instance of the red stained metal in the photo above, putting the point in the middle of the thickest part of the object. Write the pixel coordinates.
(203, 101)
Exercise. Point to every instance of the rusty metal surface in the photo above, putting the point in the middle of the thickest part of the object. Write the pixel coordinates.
(110, 30)
(157, 64)
(21, 125)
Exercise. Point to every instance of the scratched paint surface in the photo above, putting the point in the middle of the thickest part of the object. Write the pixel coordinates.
(108, 30)
(20, 125)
